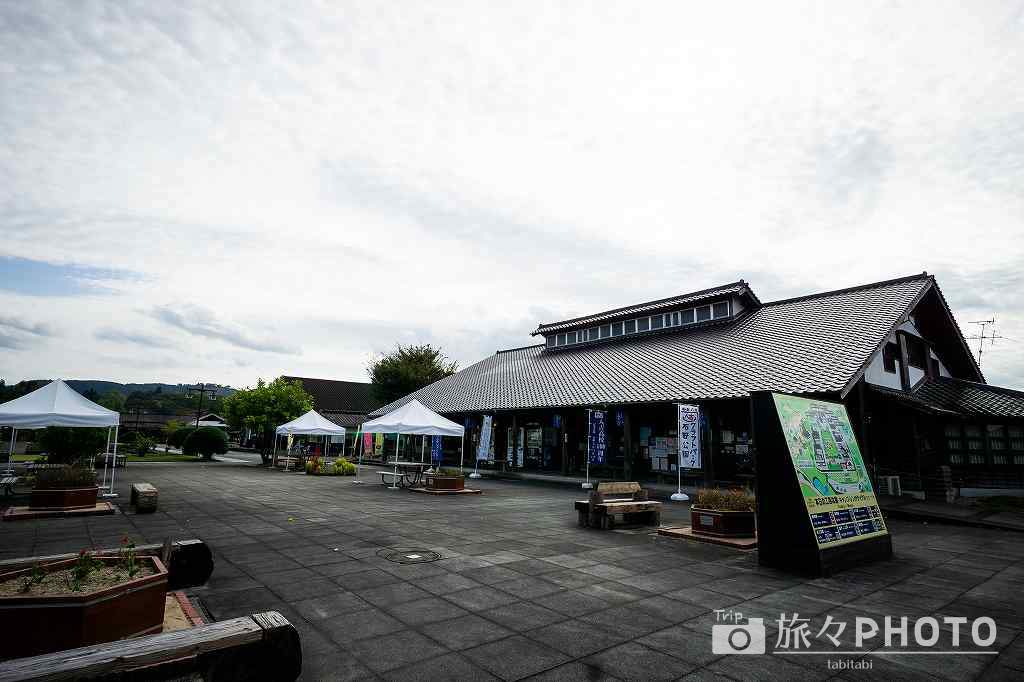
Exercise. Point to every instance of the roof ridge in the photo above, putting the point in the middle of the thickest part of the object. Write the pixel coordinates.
(859, 287)
(646, 303)
(512, 350)
(338, 381)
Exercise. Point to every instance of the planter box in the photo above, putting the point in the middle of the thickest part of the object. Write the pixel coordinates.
(726, 524)
(445, 482)
(63, 498)
(38, 624)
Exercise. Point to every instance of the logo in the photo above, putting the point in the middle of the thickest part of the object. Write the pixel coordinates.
(736, 638)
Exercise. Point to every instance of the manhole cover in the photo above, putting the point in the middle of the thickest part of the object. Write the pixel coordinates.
(409, 556)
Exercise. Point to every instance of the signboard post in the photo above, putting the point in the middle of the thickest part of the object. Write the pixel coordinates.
(816, 507)
(689, 446)
(597, 441)
(484, 448)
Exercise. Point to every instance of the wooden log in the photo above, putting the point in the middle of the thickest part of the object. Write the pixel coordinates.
(264, 646)
(190, 563)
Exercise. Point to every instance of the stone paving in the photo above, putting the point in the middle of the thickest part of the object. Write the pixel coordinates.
(521, 592)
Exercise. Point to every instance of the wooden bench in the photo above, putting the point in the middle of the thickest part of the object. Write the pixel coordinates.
(144, 497)
(8, 483)
(263, 646)
(612, 498)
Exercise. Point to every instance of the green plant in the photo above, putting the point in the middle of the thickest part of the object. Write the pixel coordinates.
(65, 445)
(343, 467)
(65, 477)
(717, 499)
(85, 564)
(143, 444)
(206, 442)
(447, 471)
(34, 578)
(127, 554)
(177, 437)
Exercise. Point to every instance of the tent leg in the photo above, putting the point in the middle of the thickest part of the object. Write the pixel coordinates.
(358, 453)
(10, 454)
(394, 481)
(113, 468)
(273, 458)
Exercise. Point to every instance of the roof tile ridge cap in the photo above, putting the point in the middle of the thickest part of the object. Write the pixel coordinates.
(850, 290)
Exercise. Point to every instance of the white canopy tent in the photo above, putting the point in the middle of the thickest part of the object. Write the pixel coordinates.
(414, 418)
(310, 424)
(57, 404)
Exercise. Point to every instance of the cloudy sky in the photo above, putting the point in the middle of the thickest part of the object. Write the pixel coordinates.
(217, 192)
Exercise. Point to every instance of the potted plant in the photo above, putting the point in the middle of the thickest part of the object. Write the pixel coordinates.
(82, 601)
(68, 487)
(723, 513)
(446, 479)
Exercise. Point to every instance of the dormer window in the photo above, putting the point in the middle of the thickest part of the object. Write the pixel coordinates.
(687, 316)
(606, 331)
(704, 313)
(617, 329)
(657, 322)
(630, 326)
(643, 324)
(721, 309)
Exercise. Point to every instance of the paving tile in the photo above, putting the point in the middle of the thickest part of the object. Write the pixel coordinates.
(578, 637)
(395, 593)
(446, 584)
(452, 667)
(466, 632)
(632, 661)
(480, 598)
(371, 622)
(514, 658)
(366, 579)
(528, 587)
(327, 606)
(425, 611)
(395, 650)
(522, 616)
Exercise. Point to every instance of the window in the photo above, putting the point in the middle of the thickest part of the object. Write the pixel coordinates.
(687, 316)
(996, 436)
(889, 353)
(561, 340)
(703, 313)
(975, 459)
(630, 326)
(721, 309)
(657, 322)
(616, 329)
(592, 334)
(917, 352)
(606, 331)
(1000, 459)
(570, 337)
(675, 319)
(956, 459)
(1016, 437)
(643, 324)
(550, 341)
(1018, 459)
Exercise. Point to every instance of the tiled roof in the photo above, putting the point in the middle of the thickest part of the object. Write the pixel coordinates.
(349, 420)
(810, 344)
(339, 396)
(970, 398)
(641, 308)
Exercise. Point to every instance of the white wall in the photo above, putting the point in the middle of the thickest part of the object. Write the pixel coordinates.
(877, 375)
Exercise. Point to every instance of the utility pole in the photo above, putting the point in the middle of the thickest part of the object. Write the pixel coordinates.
(982, 337)
(202, 390)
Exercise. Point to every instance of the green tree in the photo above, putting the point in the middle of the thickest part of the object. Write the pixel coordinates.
(206, 442)
(407, 369)
(113, 401)
(65, 445)
(170, 427)
(265, 407)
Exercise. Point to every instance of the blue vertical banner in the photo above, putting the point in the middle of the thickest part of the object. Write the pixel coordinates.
(598, 440)
(620, 418)
(435, 449)
(484, 450)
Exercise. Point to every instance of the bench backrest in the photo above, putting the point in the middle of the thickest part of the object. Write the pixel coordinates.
(618, 487)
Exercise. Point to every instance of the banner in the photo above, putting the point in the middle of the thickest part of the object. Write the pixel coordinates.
(484, 448)
(367, 443)
(598, 440)
(689, 436)
(435, 449)
(509, 440)
(830, 470)
(520, 444)
(378, 445)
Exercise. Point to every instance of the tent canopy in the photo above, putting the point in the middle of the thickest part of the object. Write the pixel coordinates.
(311, 424)
(55, 404)
(414, 418)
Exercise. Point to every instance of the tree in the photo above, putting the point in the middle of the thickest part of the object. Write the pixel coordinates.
(265, 407)
(113, 401)
(170, 427)
(65, 445)
(206, 442)
(407, 369)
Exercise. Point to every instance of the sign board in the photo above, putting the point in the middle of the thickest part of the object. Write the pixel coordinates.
(816, 507)
(509, 444)
(598, 440)
(519, 447)
(689, 436)
(484, 448)
(435, 449)
(830, 470)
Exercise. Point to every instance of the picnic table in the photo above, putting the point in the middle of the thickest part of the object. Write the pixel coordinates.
(405, 474)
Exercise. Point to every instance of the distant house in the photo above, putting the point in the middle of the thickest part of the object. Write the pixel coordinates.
(346, 403)
(210, 419)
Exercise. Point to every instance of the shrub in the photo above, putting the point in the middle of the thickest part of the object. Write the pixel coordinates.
(716, 499)
(447, 471)
(65, 477)
(143, 444)
(177, 437)
(65, 445)
(206, 442)
(343, 467)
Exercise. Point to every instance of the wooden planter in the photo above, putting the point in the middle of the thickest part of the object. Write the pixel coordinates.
(63, 498)
(39, 624)
(445, 482)
(728, 524)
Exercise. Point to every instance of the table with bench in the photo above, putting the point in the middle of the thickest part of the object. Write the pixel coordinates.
(617, 498)
(404, 474)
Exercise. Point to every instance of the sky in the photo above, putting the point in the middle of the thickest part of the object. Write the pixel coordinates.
(200, 191)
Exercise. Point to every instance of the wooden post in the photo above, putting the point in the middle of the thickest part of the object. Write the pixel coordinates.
(904, 361)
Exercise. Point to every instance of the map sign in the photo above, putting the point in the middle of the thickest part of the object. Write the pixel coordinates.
(833, 480)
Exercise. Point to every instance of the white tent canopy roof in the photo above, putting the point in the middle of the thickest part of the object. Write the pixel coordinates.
(55, 404)
(414, 418)
(311, 424)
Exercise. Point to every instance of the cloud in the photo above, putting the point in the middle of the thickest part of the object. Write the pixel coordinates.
(39, 278)
(201, 322)
(34, 328)
(137, 338)
(11, 342)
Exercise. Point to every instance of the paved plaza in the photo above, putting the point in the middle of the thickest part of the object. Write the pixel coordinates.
(520, 591)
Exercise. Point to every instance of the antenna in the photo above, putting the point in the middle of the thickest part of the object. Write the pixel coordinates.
(982, 337)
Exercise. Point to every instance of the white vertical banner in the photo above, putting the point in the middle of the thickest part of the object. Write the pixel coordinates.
(484, 449)
(689, 437)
